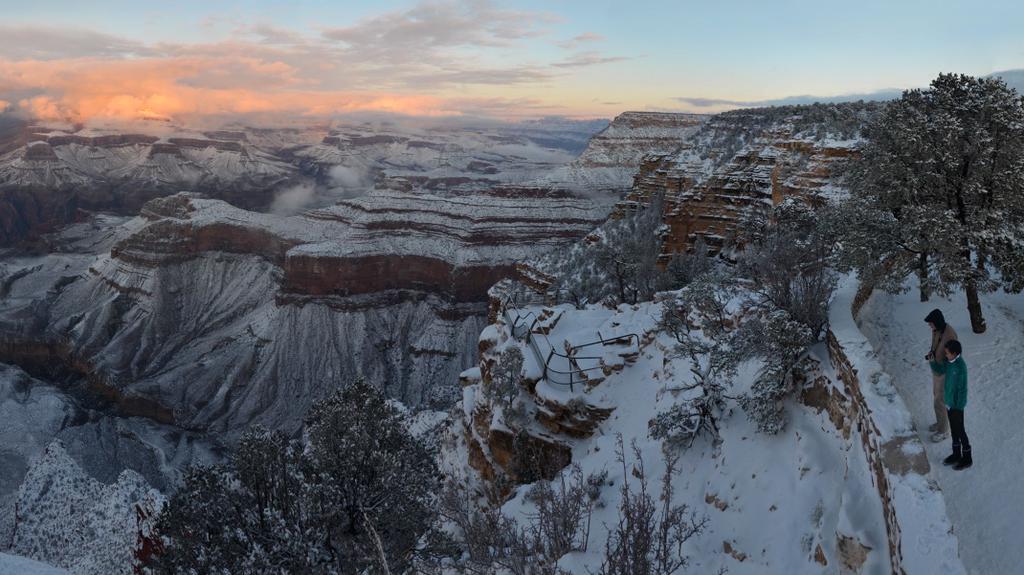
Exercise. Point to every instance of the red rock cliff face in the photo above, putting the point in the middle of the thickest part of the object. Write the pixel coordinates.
(167, 241)
(700, 203)
(327, 275)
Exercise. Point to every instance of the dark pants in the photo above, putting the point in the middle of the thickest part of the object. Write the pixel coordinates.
(956, 429)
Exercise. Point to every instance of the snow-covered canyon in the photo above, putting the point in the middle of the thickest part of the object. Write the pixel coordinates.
(145, 343)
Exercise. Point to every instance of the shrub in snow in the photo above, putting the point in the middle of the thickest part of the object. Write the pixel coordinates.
(683, 268)
(937, 190)
(558, 524)
(786, 263)
(786, 256)
(355, 495)
(651, 534)
(781, 342)
(713, 353)
(505, 376)
(531, 462)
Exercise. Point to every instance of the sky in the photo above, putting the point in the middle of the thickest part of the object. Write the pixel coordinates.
(266, 60)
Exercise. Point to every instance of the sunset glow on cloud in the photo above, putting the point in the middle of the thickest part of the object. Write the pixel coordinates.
(431, 59)
(151, 88)
(457, 57)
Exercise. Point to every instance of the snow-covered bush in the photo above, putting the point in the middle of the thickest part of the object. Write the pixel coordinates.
(650, 536)
(505, 376)
(531, 462)
(787, 253)
(558, 524)
(356, 494)
(705, 329)
(786, 265)
(683, 268)
(781, 342)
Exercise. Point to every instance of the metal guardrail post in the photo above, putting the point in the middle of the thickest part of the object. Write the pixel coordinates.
(547, 363)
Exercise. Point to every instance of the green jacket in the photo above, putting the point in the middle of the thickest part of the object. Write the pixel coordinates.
(955, 390)
(939, 341)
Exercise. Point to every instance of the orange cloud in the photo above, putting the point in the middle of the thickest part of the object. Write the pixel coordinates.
(448, 57)
(112, 90)
(4, 104)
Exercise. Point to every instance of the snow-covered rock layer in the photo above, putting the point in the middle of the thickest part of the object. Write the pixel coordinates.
(48, 173)
(55, 438)
(613, 156)
(68, 519)
(748, 160)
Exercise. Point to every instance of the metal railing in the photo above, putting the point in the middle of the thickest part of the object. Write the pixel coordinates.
(561, 377)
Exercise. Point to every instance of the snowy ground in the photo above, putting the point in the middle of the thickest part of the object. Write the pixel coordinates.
(773, 503)
(14, 564)
(985, 502)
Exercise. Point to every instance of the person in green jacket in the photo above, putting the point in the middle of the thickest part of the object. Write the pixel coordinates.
(955, 396)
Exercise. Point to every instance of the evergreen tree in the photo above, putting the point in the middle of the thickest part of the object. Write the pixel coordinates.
(370, 483)
(939, 189)
(355, 497)
(241, 516)
(786, 262)
(786, 256)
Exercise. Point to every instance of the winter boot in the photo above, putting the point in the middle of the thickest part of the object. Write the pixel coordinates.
(965, 461)
(954, 458)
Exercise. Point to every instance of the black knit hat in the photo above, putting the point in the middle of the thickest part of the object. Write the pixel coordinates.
(936, 318)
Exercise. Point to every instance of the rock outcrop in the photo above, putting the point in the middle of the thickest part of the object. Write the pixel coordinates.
(613, 156)
(708, 188)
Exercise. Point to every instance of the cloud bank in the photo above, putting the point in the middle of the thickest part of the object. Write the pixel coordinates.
(717, 103)
(433, 59)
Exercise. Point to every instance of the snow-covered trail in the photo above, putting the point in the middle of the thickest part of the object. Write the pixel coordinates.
(985, 503)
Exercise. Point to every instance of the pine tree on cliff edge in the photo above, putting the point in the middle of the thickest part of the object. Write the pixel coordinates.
(939, 190)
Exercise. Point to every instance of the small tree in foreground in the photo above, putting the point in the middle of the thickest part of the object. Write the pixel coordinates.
(787, 256)
(700, 320)
(786, 262)
(782, 342)
(356, 496)
(505, 377)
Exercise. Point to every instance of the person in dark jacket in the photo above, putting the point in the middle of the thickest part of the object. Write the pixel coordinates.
(955, 398)
(942, 333)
